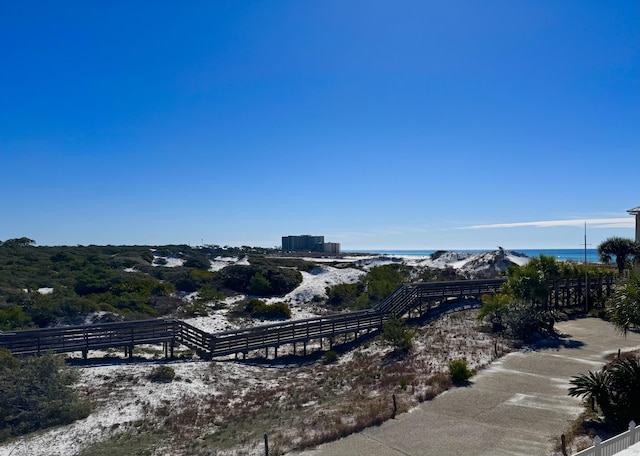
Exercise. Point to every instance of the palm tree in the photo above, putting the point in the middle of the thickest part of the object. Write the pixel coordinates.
(616, 389)
(625, 389)
(493, 308)
(595, 387)
(623, 306)
(621, 248)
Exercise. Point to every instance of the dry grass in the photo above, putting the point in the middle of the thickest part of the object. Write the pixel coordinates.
(301, 407)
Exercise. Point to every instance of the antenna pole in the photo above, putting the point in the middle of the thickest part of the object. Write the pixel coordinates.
(586, 275)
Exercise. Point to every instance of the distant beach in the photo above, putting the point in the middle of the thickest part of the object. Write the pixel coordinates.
(576, 255)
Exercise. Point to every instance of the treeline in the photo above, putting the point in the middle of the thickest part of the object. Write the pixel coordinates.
(42, 286)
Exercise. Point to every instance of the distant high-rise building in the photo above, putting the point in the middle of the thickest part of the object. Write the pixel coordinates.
(332, 247)
(308, 243)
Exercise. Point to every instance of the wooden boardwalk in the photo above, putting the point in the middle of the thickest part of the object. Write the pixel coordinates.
(407, 299)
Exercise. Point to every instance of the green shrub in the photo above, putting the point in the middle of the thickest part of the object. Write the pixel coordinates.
(7, 360)
(343, 294)
(459, 371)
(13, 317)
(370, 290)
(259, 285)
(615, 389)
(259, 309)
(162, 374)
(36, 394)
(396, 333)
(330, 357)
(262, 279)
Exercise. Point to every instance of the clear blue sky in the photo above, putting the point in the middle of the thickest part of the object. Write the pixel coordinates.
(378, 124)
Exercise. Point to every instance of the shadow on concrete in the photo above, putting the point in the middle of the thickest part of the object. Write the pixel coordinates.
(561, 341)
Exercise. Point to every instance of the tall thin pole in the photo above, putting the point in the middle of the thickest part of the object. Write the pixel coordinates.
(586, 275)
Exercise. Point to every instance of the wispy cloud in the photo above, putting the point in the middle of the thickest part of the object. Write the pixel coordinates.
(626, 222)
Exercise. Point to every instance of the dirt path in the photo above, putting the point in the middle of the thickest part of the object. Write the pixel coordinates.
(514, 407)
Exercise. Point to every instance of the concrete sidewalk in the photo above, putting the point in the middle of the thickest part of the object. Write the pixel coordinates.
(515, 407)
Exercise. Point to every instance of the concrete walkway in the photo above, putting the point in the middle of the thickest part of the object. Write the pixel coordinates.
(515, 407)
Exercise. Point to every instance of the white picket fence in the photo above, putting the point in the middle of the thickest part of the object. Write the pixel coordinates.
(613, 445)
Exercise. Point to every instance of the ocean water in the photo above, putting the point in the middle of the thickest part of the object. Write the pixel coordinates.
(559, 254)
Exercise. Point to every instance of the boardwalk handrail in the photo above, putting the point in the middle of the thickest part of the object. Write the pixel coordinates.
(106, 335)
(86, 337)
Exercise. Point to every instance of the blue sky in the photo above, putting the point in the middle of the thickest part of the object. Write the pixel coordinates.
(380, 125)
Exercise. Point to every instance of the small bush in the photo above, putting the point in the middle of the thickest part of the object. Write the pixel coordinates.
(162, 374)
(37, 394)
(330, 357)
(459, 371)
(395, 332)
(259, 309)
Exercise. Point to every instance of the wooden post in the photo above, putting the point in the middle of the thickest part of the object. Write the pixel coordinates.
(304, 348)
(579, 292)
(600, 287)
(266, 445)
(395, 407)
(563, 439)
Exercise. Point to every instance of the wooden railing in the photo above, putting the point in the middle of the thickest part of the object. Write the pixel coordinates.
(128, 334)
(244, 340)
(88, 337)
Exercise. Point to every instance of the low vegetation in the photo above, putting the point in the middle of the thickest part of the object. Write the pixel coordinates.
(42, 286)
(36, 393)
(162, 374)
(459, 371)
(257, 308)
(397, 334)
(623, 307)
(370, 290)
(521, 310)
(612, 400)
(303, 406)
